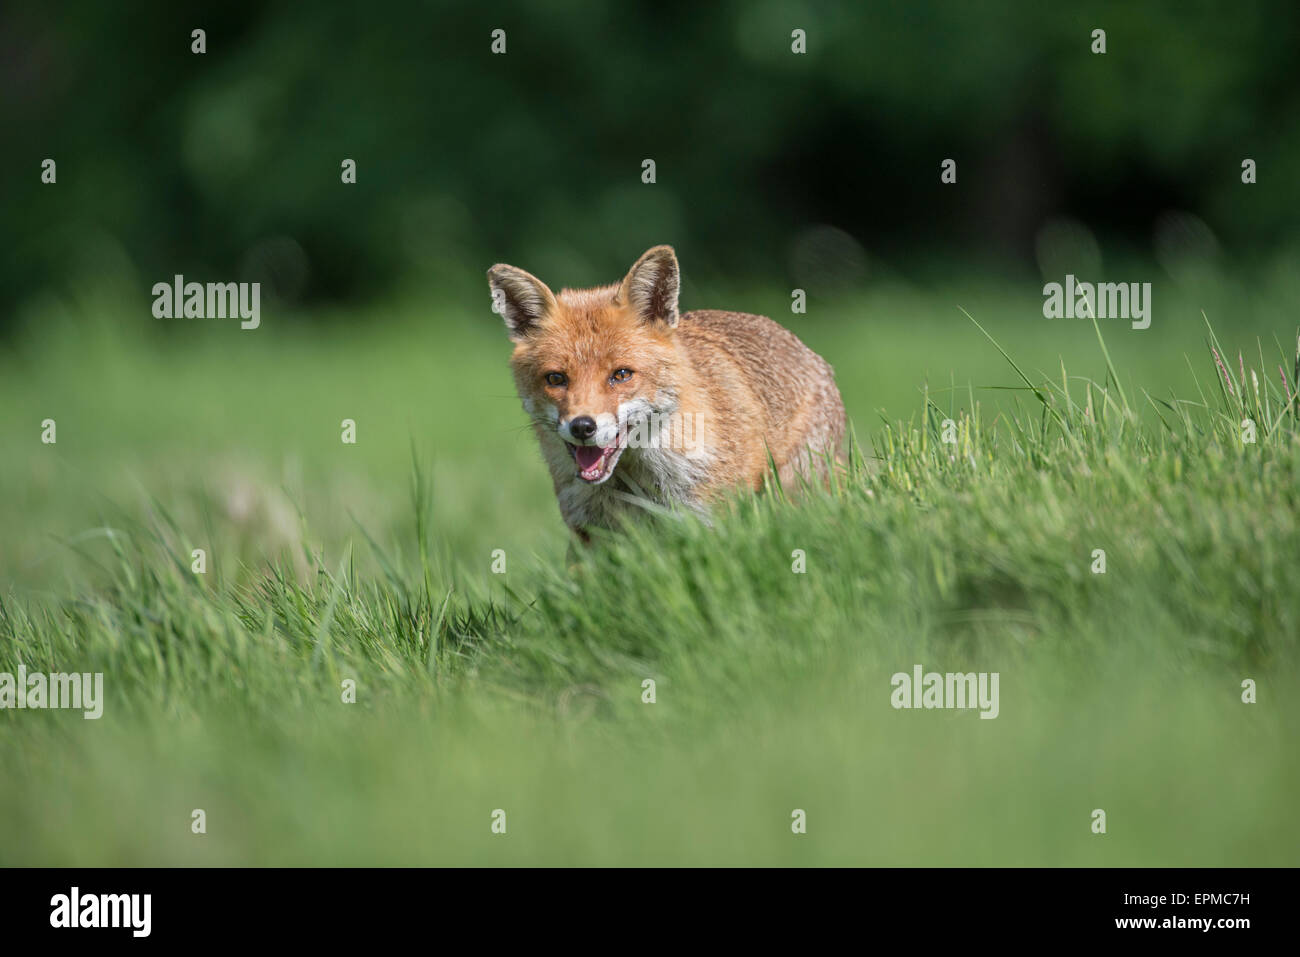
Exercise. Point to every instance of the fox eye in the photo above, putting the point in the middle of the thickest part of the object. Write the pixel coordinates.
(621, 375)
(556, 378)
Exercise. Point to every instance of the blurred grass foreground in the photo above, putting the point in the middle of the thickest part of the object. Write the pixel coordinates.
(333, 566)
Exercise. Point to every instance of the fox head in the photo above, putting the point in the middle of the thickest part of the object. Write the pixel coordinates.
(590, 364)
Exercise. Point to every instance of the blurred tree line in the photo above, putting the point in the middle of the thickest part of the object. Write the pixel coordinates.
(227, 164)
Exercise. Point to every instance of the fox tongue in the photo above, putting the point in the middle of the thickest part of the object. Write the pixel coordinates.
(588, 456)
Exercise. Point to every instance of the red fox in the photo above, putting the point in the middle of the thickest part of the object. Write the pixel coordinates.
(632, 401)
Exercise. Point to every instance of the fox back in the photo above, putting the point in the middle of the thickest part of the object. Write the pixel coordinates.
(634, 402)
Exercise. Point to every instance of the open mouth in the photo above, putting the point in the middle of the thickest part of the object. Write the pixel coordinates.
(595, 464)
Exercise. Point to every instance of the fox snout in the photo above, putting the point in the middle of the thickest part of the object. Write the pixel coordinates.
(594, 442)
(583, 429)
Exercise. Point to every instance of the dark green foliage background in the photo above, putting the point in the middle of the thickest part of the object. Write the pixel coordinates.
(207, 165)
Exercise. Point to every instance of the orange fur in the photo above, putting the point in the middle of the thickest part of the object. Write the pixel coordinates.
(727, 388)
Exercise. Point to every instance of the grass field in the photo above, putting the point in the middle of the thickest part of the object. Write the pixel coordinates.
(523, 691)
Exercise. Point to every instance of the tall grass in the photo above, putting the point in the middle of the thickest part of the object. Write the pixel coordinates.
(963, 538)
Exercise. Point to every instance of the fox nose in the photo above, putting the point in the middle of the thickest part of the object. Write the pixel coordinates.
(582, 428)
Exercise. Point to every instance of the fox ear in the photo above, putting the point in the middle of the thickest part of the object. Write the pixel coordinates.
(651, 285)
(521, 298)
